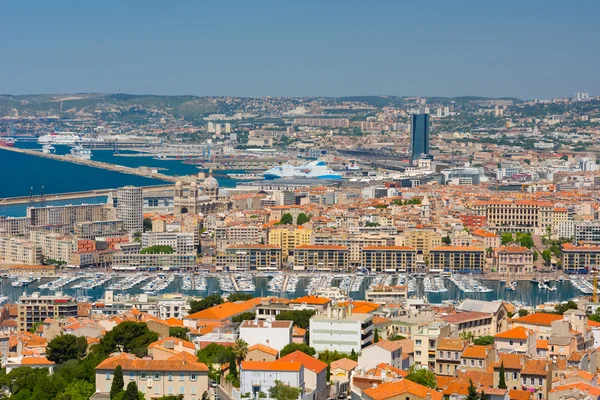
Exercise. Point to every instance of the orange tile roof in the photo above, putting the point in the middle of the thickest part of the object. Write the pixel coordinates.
(176, 341)
(311, 300)
(344, 363)
(476, 351)
(581, 386)
(182, 361)
(309, 362)
(519, 394)
(451, 344)
(511, 361)
(36, 361)
(541, 344)
(393, 389)
(224, 311)
(271, 366)
(538, 319)
(264, 349)
(535, 367)
(518, 333)
(377, 320)
(299, 331)
(320, 247)
(388, 345)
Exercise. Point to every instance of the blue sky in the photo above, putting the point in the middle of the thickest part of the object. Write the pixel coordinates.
(301, 48)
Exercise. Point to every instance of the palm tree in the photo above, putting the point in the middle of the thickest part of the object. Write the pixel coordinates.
(240, 349)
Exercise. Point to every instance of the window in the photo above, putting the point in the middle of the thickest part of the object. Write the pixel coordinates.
(532, 381)
(181, 376)
(464, 362)
(193, 389)
(418, 353)
(480, 363)
(108, 376)
(142, 375)
(156, 389)
(472, 363)
(181, 390)
(418, 342)
(170, 377)
(156, 376)
(131, 376)
(524, 381)
(540, 381)
(448, 354)
(515, 377)
(510, 342)
(170, 390)
(192, 377)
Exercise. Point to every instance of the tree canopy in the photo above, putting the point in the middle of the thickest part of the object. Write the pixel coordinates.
(215, 354)
(302, 219)
(422, 376)
(118, 383)
(484, 340)
(292, 347)
(66, 347)
(131, 337)
(562, 307)
(207, 302)
(238, 296)
(286, 219)
(157, 250)
(247, 316)
(284, 392)
(301, 318)
(178, 332)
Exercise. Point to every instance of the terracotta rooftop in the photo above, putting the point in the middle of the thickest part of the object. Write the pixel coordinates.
(393, 389)
(538, 319)
(309, 362)
(518, 333)
(476, 351)
(264, 349)
(344, 363)
(179, 362)
(451, 344)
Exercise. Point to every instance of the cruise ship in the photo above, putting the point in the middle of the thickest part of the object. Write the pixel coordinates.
(59, 138)
(315, 169)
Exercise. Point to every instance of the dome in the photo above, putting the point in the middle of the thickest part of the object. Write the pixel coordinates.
(210, 183)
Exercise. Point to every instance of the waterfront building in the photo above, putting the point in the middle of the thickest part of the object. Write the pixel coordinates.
(457, 259)
(579, 259)
(19, 251)
(419, 136)
(181, 374)
(514, 259)
(36, 308)
(226, 236)
(198, 200)
(54, 246)
(94, 229)
(354, 242)
(130, 205)
(516, 216)
(344, 334)
(154, 262)
(249, 257)
(423, 240)
(289, 239)
(181, 243)
(320, 258)
(62, 219)
(389, 258)
(13, 226)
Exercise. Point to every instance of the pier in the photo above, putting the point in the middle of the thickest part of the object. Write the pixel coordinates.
(141, 171)
(235, 285)
(285, 283)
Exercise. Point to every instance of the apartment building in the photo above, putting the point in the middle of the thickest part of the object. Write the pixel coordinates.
(516, 216)
(93, 229)
(36, 308)
(226, 236)
(323, 122)
(457, 259)
(275, 334)
(423, 240)
(54, 246)
(449, 354)
(154, 262)
(259, 376)
(250, 257)
(130, 206)
(389, 258)
(320, 258)
(344, 334)
(354, 243)
(19, 251)
(180, 374)
(13, 226)
(180, 242)
(289, 239)
(518, 340)
(488, 239)
(579, 259)
(471, 322)
(477, 358)
(426, 341)
(64, 218)
(515, 259)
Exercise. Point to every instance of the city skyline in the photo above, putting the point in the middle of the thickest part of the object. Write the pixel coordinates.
(526, 50)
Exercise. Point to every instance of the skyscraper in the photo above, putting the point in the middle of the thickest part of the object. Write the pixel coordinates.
(419, 136)
(130, 205)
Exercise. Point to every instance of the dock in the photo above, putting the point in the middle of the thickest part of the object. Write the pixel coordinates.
(235, 285)
(285, 283)
(141, 171)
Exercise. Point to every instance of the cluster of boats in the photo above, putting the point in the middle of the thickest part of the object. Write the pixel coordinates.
(158, 284)
(467, 284)
(60, 282)
(582, 284)
(381, 280)
(129, 282)
(244, 283)
(194, 282)
(92, 282)
(21, 282)
(292, 284)
(276, 284)
(404, 280)
(434, 285)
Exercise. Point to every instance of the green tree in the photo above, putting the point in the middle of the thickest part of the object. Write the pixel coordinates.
(525, 239)
(35, 325)
(466, 336)
(502, 381)
(66, 347)
(302, 219)
(394, 336)
(131, 337)
(292, 347)
(147, 225)
(157, 250)
(506, 238)
(547, 256)
(247, 316)
(301, 318)
(483, 396)
(172, 397)
(237, 296)
(372, 224)
(471, 391)
(118, 383)
(215, 354)
(205, 396)
(286, 219)
(376, 336)
(484, 341)
(207, 302)
(562, 307)
(240, 350)
(535, 255)
(523, 312)
(77, 390)
(446, 240)
(131, 393)
(178, 332)
(284, 392)
(422, 376)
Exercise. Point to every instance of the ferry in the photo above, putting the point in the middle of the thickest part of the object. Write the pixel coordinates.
(81, 153)
(315, 169)
(7, 142)
(59, 138)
